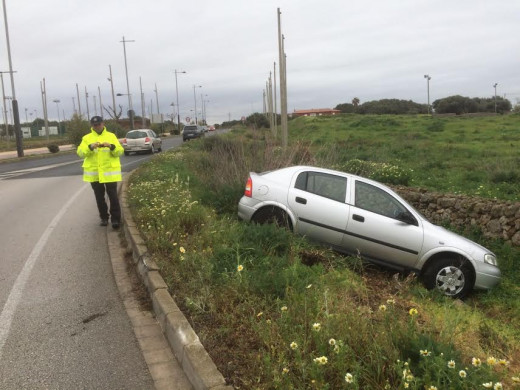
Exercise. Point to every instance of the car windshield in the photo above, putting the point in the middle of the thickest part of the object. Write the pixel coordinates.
(136, 134)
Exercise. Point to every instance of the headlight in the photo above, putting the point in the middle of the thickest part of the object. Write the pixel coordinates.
(490, 259)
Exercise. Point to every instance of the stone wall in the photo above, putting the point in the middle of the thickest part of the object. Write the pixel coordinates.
(495, 218)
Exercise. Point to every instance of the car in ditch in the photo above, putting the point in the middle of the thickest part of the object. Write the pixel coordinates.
(358, 216)
(142, 140)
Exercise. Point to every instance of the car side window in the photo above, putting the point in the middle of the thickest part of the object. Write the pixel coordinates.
(323, 184)
(371, 198)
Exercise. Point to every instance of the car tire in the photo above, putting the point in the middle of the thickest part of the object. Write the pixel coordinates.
(273, 215)
(127, 153)
(453, 277)
(152, 150)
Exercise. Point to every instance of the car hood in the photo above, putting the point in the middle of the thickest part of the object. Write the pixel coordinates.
(436, 236)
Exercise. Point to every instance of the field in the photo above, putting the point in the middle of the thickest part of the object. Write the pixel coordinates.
(276, 312)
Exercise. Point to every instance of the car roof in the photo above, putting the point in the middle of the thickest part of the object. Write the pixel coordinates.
(297, 168)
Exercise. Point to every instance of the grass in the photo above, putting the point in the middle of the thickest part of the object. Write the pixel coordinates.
(276, 312)
(35, 142)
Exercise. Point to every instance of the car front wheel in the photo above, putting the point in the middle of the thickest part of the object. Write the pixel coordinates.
(452, 276)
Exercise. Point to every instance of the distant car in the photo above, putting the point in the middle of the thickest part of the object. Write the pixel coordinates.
(205, 129)
(212, 128)
(142, 140)
(192, 132)
(355, 215)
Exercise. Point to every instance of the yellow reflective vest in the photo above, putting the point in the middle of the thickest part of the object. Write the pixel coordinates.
(101, 164)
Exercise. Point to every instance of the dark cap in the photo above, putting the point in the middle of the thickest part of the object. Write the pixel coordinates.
(96, 120)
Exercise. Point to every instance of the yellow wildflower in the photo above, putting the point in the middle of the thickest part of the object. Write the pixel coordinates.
(240, 268)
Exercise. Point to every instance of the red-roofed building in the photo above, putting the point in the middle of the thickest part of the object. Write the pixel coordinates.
(315, 112)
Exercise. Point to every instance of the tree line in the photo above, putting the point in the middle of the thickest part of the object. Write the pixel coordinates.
(450, 105)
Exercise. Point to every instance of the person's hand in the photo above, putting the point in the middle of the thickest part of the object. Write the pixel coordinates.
(94, 145)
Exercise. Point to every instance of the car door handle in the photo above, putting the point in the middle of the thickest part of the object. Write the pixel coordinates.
(301, 200)
(358, 218)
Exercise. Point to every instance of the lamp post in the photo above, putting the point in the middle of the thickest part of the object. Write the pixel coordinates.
(16, 119)
(428, 78)
(195, 99)
(495, 86)
(177, 93)
(130, 108)
(173, 112)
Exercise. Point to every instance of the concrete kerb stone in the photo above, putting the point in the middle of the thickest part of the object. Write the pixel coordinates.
(184, 342)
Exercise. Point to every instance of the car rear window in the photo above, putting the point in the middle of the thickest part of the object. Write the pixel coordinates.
(136, 134)
(190, 128)
(322, 184)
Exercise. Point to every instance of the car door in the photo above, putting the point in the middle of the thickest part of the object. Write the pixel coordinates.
(318, 201)
(381, 227)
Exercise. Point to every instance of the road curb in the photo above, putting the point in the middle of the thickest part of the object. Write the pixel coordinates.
(184, 342)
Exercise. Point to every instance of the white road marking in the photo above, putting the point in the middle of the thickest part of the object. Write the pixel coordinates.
(6, 317)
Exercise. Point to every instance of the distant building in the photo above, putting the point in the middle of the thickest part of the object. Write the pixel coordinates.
(315, 112)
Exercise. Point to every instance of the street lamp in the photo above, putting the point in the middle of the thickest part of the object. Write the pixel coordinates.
(428, 78)
(173, 112)
(177, 93)
(495, 86)
(195, 98)
(57, 101)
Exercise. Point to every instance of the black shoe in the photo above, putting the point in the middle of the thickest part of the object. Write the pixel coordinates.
(116, 224)
(104, 222)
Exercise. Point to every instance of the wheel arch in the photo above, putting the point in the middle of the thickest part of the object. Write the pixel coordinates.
(274, 209)
(449, 255)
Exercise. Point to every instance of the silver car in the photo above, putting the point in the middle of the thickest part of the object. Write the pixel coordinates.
(142, 140)
(352, 215)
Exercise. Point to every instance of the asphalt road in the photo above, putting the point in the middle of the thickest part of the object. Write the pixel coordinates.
(62, 323)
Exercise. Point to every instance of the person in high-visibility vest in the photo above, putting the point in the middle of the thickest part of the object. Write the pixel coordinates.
(100, 150)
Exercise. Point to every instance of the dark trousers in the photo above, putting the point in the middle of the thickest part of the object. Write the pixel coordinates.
(111, 190)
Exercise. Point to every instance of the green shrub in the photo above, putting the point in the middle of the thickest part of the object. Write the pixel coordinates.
(53, 148)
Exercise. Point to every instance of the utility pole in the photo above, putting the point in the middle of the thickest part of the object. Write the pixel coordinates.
(44, 104)
(113, 96)
(428, 78)
(79, 101)
(100, 102)
(177, 93)
(95, 104)
(283, 82)
(73, 105)
(16, 113)
(142, 104)
(275, 104)
(130, 108)
(495, 86)
(4, 105)
(86, 99)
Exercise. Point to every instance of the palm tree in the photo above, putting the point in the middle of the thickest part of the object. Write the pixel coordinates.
(355, 102)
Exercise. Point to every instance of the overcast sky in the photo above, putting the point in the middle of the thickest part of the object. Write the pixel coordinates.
(336, 50)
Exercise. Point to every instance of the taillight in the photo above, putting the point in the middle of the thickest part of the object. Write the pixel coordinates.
(147, 140)
(124, 141)
(249, 188)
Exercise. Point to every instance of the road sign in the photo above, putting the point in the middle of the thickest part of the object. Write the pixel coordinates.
(188, 119)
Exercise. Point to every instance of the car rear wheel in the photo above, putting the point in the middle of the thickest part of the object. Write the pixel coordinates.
(127, 153)
(273, 215)
(152, 149)
(452, 276)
